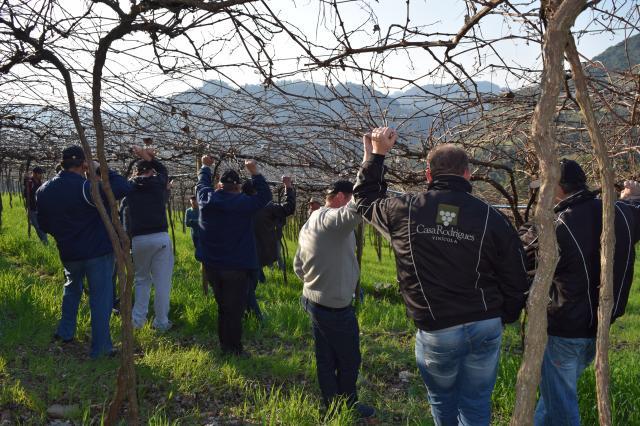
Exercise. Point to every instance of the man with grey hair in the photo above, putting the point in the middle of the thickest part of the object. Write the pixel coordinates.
(461, 274)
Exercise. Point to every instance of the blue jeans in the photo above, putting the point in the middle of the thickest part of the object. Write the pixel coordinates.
(459, 366)
(337, 345)
(33, 218)
(564, 361)
(99, 273)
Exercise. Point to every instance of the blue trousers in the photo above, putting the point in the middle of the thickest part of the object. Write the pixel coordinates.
(459, 366)
(562, 365)
(99, 273)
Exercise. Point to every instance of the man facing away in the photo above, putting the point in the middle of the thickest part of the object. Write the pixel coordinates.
(228, 244)
(461, 274)
(326, 263)
(66, 210)
(267, 227)
(146, 213)
(31, 186)
(574, 295)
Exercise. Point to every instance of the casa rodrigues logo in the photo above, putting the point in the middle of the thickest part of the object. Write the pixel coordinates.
(447, 214)
(446, 220)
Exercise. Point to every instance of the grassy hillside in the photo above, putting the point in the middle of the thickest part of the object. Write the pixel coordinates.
(183, 378)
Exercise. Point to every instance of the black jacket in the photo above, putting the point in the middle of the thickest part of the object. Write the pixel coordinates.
(144, 209)
(268, 225)
(458, 259)
(574, 294)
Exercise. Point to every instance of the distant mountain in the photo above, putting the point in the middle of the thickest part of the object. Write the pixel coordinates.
(621, 56)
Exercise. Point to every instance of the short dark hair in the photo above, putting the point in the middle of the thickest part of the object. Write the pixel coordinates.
(447, 159)
(71, 163)
(193, 197)
(572, 176)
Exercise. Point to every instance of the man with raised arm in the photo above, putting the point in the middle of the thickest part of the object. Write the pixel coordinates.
(67, 211)
(151, 250)
(461, 273)
(228, 244)
(327, 265)
(574, 295)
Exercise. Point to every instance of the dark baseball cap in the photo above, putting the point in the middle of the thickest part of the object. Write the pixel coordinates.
(340, 186)
(74, 152)
(230, 176)
(571, 172)
(38, 170)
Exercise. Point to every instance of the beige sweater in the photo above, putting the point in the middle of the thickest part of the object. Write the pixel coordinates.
(326, 257)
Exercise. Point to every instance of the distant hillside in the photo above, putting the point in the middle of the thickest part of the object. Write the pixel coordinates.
(622, 55)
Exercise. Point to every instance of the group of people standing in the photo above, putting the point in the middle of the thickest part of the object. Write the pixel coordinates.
(462, 268)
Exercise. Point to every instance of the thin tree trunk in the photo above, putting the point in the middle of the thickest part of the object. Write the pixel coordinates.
(607, 238)
(561, 16)
(126, 382)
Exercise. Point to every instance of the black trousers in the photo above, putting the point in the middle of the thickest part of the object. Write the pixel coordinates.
(230, 291)
(337, 346)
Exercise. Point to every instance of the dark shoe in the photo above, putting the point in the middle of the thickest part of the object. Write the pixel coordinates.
(58, 338)
(364, 411)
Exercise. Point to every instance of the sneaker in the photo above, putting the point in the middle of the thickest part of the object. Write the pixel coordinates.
(163, 328)
(365, 411)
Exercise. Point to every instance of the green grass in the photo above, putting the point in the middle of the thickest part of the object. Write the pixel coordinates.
(183, 378)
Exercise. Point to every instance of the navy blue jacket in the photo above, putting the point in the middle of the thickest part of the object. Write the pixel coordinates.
(145, 208)
(67, 212)
(226, 223)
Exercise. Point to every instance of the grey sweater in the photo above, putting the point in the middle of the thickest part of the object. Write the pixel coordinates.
(326, 257)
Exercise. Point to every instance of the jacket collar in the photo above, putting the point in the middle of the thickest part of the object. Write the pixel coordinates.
(450, 182)
(573, 199)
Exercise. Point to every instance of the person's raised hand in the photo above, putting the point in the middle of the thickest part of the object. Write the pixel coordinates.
(631, 190)
(367, 147)
(207, 160)
(251, 166)
(383, 139)
(287, 181)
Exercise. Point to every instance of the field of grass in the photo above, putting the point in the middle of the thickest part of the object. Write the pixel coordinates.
(183, 378)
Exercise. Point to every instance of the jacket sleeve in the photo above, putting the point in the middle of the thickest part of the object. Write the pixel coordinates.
(203, 187)
(283, 210)
(529, 237)
(511, 270)
(119, 185)
(370, 194)
(43, 217)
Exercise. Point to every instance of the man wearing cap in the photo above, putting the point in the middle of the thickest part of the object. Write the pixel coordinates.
(67, 211)
(326, 263)
(574, 295)
(461, 274)
(31, 185)
(228, 244)
(146, 219)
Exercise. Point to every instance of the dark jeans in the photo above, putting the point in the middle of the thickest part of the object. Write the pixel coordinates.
(230, 291)
(252, 300)
(337, 347)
